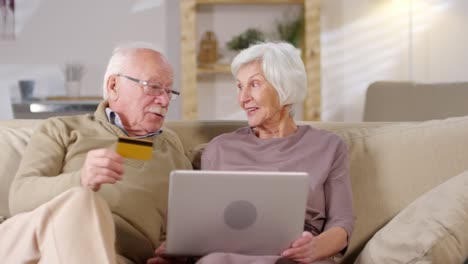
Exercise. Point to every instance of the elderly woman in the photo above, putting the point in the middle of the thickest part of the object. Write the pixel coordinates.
(270, 79)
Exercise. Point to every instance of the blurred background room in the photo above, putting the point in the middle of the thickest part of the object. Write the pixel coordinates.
(53, 53)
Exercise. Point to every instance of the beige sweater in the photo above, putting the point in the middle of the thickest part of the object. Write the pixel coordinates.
(55, 154)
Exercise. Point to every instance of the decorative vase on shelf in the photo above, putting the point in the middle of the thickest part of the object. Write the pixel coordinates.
(208, 53)
(73, 88)
(73, 75)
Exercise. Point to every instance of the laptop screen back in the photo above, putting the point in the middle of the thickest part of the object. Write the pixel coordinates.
(252, 213)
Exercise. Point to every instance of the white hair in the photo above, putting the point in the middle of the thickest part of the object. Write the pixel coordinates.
(283, 68)
(120, 54)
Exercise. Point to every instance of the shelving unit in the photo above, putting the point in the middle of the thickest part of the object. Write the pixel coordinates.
(214, 68)
(190, 70)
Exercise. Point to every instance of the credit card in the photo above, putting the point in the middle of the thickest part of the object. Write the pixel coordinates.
(132, 148)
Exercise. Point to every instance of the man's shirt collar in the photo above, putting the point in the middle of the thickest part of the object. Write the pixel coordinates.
(114, 119)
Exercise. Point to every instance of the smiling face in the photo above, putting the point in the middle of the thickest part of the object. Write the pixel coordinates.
(140, 114)
(257, 97)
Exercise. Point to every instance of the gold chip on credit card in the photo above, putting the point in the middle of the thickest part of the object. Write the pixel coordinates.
(135, 148)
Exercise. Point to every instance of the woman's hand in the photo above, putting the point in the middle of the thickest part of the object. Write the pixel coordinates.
(303, 249)
(160, 258)
(309, 248)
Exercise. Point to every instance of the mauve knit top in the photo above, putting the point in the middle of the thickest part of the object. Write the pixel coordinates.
(322, 154)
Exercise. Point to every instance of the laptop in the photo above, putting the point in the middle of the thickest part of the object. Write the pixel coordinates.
(250, 213)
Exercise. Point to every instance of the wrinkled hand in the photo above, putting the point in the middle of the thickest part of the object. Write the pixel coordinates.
(161, 259)
(303, 249)
(101, 166)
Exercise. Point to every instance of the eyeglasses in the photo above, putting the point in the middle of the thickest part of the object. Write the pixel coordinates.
(153, 89)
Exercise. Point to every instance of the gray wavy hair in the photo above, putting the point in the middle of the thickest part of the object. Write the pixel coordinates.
(283, 68)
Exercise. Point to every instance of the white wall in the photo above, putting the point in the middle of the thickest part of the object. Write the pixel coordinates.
(362, 41)
(440, 38)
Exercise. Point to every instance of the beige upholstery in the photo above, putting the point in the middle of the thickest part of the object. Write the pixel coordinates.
(433, 229)
(406, 101)
(391, 163)
(12, 144)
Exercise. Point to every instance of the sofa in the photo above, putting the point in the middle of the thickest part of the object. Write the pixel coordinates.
(410, 188)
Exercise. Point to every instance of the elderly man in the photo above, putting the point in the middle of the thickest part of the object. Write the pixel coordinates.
(74, 198)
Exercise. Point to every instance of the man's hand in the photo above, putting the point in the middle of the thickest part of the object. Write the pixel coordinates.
(101, 166)
(303, 250)
(160, 258)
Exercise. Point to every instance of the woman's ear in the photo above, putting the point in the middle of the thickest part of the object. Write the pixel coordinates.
(287, 110)
(112, 89)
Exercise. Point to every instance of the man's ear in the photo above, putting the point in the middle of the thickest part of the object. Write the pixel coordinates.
(112, 89)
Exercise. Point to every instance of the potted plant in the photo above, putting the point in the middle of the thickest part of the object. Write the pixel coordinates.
(291, 31)
(245, 39)
(240, 42)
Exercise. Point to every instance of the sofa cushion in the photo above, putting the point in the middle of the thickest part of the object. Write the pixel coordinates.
(12, 144)
(432, 229)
